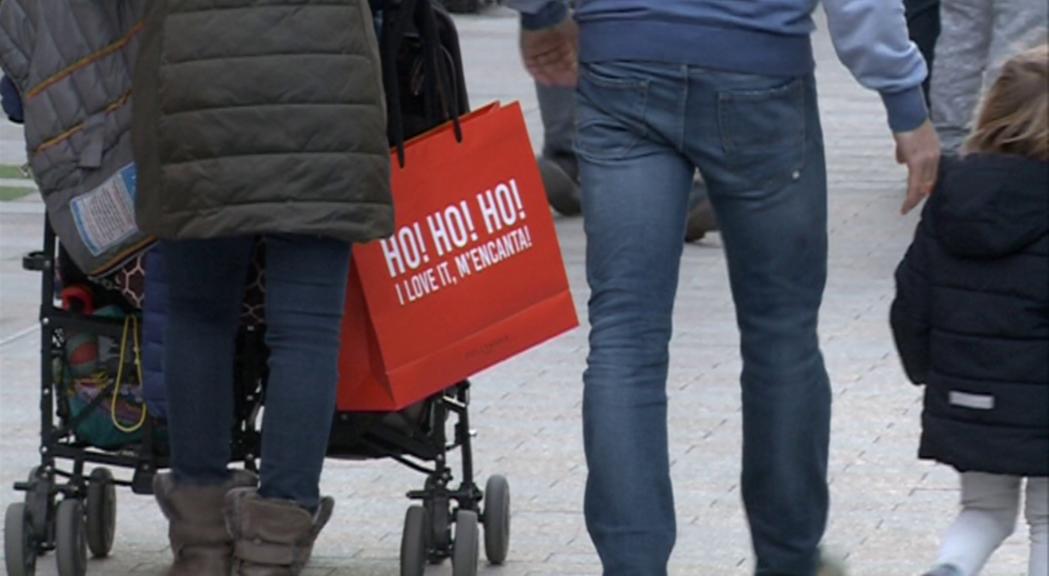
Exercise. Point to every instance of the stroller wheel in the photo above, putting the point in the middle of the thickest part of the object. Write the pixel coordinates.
(496, 519)
(413, 542)
(40, 505)
(19, 548)
(101, 512)
(439, 515)
(70, 538)
(466, 548)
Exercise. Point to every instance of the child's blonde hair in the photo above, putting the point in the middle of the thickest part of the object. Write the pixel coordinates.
(1014, 118)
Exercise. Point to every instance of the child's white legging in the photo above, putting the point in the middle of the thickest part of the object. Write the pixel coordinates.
(990, 504)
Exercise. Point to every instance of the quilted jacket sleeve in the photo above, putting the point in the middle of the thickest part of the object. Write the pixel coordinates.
(15, 35)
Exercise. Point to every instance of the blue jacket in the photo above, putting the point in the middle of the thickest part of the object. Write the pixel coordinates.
(154, 320)
(12, 100)
(769, 37)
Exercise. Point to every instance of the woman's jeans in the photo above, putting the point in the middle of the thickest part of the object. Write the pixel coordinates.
(643, 130)
(305, 292)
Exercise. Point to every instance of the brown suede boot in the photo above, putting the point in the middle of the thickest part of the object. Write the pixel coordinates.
(272, 537)
(197, 530)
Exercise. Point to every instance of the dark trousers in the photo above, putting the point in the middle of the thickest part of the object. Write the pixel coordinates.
(305, 293)
(923, 22)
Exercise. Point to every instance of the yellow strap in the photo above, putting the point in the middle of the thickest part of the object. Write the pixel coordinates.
(132, 322)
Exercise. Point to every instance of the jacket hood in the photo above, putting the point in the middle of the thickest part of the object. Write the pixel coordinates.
(989, 205)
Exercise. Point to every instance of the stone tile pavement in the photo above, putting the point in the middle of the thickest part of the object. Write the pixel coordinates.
(888, 508)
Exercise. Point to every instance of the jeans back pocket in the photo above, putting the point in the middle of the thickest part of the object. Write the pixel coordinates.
(610, 111)
(763, 133)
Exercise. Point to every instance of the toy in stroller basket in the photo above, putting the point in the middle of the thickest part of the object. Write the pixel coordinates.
(94, 416)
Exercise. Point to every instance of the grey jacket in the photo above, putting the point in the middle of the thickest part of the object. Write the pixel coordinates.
(72, 61)
(261, 118)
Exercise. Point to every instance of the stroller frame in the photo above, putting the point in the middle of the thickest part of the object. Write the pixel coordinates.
(71, 512)
(418, 435)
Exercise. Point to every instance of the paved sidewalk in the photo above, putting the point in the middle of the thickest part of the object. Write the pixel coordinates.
(888, 509)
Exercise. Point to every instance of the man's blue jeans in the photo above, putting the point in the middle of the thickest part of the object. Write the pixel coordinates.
(643, 129)
(305, 294)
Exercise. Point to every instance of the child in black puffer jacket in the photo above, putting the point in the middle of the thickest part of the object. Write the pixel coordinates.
(971, 321)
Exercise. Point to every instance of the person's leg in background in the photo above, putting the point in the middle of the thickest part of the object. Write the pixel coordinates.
(990, 504)
(557, 110)
(1036, 511)
(635, 191)
(206, 285)
(275, 526)
(758, 141)
(701, 217)
(923, 24)
(558, 163)
(962, 57)
(1019, 25)
(560, 167)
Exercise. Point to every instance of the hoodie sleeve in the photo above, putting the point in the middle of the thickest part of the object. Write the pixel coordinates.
(540, 14)
(909, 314)
(870, 37)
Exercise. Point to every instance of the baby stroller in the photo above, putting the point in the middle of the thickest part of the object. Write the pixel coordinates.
(71, 510)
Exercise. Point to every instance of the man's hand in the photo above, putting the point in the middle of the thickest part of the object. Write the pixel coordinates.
(919, 149)
(550, 55)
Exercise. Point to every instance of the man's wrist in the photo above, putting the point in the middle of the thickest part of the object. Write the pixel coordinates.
(550, 15)
(907, 110)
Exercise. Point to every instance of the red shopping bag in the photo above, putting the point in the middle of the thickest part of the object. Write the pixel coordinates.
(472, 276)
